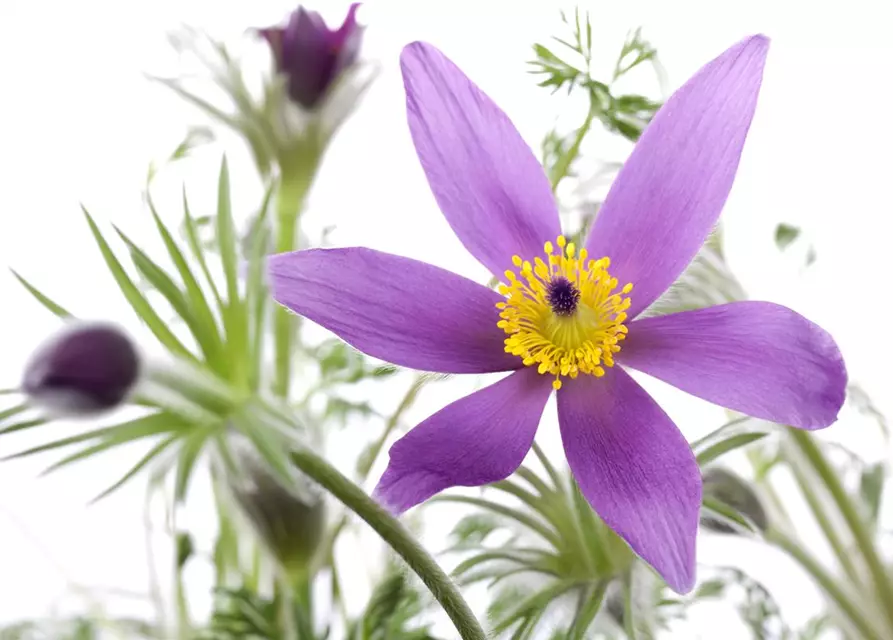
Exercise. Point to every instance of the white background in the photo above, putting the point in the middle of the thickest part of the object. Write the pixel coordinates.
(79, 124)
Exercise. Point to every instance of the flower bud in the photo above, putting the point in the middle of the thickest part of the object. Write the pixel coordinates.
(290, 520)
(734, 491)
(85, 369)
(311, 56)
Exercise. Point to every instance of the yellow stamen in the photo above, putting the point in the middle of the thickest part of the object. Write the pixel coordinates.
(563, 314)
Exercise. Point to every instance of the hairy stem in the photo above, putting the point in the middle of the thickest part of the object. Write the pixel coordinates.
(395, 535)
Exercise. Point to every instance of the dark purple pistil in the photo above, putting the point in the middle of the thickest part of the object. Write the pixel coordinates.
(563, 296)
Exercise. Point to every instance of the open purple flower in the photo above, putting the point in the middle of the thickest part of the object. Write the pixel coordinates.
(564, 312)
(311, 55)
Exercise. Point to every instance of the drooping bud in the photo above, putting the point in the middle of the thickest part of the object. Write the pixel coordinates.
(290, 520)
(311, 56)
(736, 492)
(85, 369)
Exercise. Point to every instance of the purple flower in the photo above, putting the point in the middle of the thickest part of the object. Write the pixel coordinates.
(566, 315)
(83, 370)
(311, 55)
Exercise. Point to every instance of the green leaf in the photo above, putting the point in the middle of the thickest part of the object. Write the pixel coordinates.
(534, 524)
(202, 104)
(785, 234)
(269, 445)
(871, 487)
(726, 514)
(139, 466)
(732, 435)
(21, 426)
(234, 317)
(536, 482)
(538, 602)
(153, 424)
(41, 298)
(136, 299)
(472, 530)
(587, 608)
(206, 331)
(185, 548)
(256, 295)
(161, 280)
(190, 227)
(12, 412)
(530, 558)
(189, 452)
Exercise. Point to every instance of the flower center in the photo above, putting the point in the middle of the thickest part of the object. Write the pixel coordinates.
(563, 314)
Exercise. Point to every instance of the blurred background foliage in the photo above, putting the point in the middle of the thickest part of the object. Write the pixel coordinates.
(244, 386)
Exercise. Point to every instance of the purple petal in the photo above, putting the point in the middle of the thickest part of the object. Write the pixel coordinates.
(479, 439)
(635, 469)
(400, 310)
(670, 192)
(486, 180)
(758, 358)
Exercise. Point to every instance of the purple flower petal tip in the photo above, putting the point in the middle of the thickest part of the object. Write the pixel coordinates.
(759, 358)
(477, 440)
(636, 470)
(673, 187)
(485, 178)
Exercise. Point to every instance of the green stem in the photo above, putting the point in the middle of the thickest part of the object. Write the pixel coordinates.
(827, 582)
(396, 535)
(863, 538)
(293, 188)
(405, 403)
(285, 610)
(827, 527)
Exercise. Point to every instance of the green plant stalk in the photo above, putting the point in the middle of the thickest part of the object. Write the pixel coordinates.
(285, 611)
(827, 583)
(864, 541)
(293, 188)
(827, 527)
(395, 535)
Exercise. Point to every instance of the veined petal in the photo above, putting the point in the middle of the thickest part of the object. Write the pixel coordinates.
(758, 358)
(403, 311)
(670, 192)
(635, 469)
(486, 180)
(479, 439)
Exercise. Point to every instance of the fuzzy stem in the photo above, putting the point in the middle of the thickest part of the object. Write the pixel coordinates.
(400, 540)
(293, 188)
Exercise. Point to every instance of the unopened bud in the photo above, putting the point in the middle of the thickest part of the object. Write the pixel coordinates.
(85, 369)
(311, 56)
(289, 519)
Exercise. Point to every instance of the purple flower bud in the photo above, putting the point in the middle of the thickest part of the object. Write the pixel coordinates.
(82, 370)
(312, 56)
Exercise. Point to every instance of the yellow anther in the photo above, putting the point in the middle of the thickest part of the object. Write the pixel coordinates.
(560, 341)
